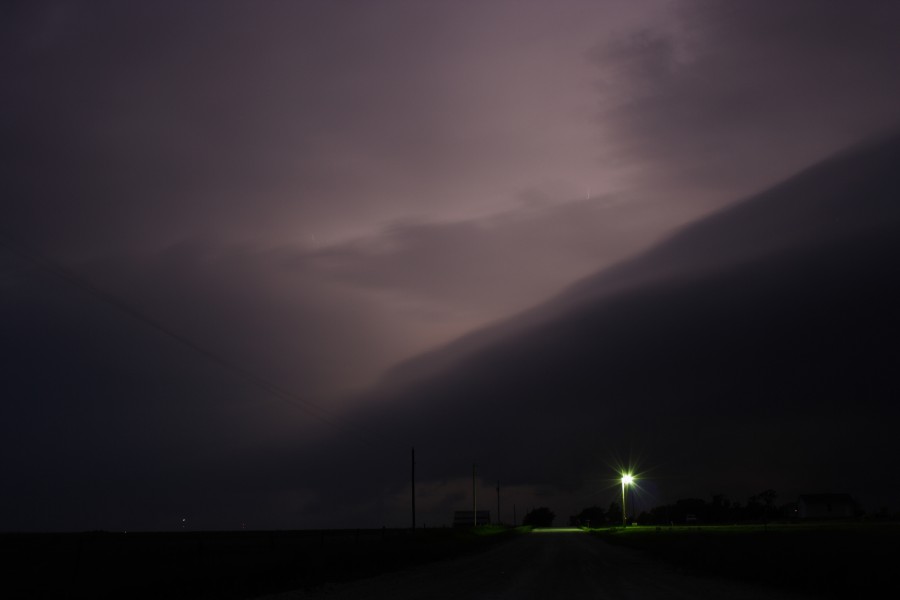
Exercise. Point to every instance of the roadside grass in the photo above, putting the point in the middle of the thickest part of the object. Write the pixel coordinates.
(230, 565)
(826, 560)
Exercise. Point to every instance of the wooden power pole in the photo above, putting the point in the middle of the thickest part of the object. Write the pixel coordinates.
(474, 499)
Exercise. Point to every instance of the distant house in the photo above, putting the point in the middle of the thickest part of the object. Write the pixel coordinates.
(825, 506)
(463, 518)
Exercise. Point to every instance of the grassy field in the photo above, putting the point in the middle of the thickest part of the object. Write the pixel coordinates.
(825, 560)
(217, 564)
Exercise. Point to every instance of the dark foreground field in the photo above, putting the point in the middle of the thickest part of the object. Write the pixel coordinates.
(215, 564)
(823, 560)
(835, 560)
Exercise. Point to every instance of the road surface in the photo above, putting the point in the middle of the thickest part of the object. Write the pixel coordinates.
(545, 564)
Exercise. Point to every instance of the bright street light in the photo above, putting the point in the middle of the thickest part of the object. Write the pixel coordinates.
(627, 479)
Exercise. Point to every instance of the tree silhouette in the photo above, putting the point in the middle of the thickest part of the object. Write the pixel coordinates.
(591, 517)
(614, 514)
(539, 517)
(768, 497)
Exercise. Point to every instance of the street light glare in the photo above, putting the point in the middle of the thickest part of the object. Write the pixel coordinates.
(626, 479)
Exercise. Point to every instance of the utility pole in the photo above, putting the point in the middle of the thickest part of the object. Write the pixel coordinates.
(414, 489)
(515, 517)
(474, 499)
(498, 502)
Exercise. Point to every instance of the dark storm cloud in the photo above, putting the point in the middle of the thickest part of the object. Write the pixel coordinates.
(172, 118)
(108, 421)
(314, 191)
(760, 356)
(280, 120)
(480, 267)
(297, 327)
(132, 129)
(730, 96)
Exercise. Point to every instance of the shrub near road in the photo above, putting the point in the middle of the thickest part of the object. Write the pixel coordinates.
(833, 560)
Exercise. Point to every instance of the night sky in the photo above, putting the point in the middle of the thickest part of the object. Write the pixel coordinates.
(251, 253)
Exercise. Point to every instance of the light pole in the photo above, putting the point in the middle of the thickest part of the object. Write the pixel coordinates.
(626, 480)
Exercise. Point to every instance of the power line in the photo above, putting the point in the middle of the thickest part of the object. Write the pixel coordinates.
(290, 398)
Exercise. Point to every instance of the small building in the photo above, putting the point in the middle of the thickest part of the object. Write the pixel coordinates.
(464, 518)
(825, 506)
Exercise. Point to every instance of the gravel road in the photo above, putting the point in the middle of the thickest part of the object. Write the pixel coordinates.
(546, 564)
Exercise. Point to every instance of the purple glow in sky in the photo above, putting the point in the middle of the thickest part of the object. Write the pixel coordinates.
(318, 191)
